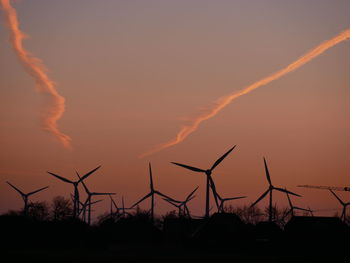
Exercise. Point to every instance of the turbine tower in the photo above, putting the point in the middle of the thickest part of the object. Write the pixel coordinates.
(270, 190)
(75, 184)
(25, 197)
(151, 194)
(209, 179)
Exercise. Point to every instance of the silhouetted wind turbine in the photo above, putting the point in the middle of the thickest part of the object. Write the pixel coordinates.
(270, 190)
(124, 213)
(208, 173)
(220, 206)
(75, 185)
(182, 205)
(223, 200)
(113, 204)
(311, 211)
(151, 194)
(88, 201)
(292, 207)
(83, 208)
(26, 196)
(343, 214)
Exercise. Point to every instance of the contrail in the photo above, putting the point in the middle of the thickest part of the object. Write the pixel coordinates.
(224, 101)
(37, 71)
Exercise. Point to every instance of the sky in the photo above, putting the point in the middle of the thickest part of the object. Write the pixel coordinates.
(134, 72)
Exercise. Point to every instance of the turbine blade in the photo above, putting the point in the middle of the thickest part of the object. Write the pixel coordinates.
(94, 193)
(115, 205)
(163, 195)
(94, 202)
(218, 161)
(142, 199)
(85, 204)
(190, 195)
(84, 185)
(187, 200)
(285, 191)
(150, 177)
(267, 172)
(88, 174)
(261, 197)
(189, 167)
(38, 190)
(289, 201)
(173, 200)
(61, 178)
(14, 187)
(341, 201)
(234, 198)
(302, 209)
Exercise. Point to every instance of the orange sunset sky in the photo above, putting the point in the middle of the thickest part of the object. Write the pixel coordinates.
(134, 72)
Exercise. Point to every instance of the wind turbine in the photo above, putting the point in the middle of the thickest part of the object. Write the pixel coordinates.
(113, 204)
(83, 208)
(270, 190)
(151, 194)
(124, 208)
(75, 184)
(210, 181)
(223, 200)
(311, 211)
(88, 201)
(292, 207)
(25, 197)
(220, 206)
(182, 205)
(343, 215)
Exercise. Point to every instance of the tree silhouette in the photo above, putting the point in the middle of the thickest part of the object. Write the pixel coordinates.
(61, 208)
(39, 210)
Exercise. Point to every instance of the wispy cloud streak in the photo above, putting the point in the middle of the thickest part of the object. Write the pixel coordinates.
(221, 103)
(37, 71)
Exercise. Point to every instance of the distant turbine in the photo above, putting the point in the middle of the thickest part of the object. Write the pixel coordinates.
(223, 200)
(113, 204)
(83, 208)
(311, 211)
(26, 196)
(88, 201)
(343, 215)
(76, 191)
(270, 190)
(151, 194)
(182, 205)
(210, 181)
(124, 213)
(293, 208)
